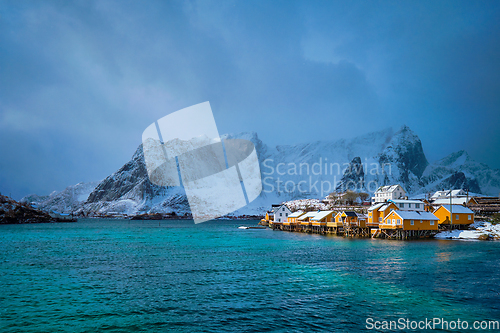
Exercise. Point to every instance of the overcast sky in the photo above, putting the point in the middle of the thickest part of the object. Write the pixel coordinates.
(81, 80)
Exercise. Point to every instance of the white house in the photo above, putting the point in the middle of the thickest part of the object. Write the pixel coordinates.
(389, 192)
(281, 213)
(464, 201)
(448, 193)
(407, 205)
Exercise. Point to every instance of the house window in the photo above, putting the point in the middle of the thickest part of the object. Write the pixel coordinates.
(456, 217)
(380, 219)
(409, 205)
(421, 221)
(432, 222)
(286, 214)
(399, 221)
(412, 222)
(283, 208)
(281, 214)
(470, 217)
(401, 205)
(417, 205)
(393, 221)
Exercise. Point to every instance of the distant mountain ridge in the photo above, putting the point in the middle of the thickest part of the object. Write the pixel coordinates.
(310, 170)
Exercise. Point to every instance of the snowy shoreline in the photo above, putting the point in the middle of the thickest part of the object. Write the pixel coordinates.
(483, 231)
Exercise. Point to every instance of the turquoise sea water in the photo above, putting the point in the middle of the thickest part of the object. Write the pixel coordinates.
(138, 276)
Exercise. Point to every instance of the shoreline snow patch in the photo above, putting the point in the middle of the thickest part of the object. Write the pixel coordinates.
(483, 230)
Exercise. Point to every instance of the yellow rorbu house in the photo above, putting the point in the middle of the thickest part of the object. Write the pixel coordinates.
(291, 222)
(354, 224)
(305, 221)
(320, 220)
(347, 217)
(335, 224)
(462, 216)
(267, 219)
(377, 213)
(405, 224)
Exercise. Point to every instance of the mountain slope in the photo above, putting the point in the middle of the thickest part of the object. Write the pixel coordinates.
(66, 201)
(310, 170)
(458, 170)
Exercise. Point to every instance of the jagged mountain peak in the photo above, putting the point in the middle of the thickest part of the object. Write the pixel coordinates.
(139, 153)
(405, 135)
(260, 146)
(405, 150)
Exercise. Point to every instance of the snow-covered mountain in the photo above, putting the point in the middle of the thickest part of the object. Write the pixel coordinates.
(299, 171)
(68, 200)
(363, 163)
(458, 170)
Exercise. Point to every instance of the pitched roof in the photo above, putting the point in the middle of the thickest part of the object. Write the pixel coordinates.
(306, 215)
(415, 215)
(439, 194)
(387, 188)
(376, 206)
(454, 201)
(321, 215)
(384, 207)
(458, 209)
(398, 201)
(276, 207)
(447, 193)
(296, 214)
(350, 213)
(457, 192)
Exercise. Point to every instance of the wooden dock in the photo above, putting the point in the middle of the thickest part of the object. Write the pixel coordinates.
(350, 230)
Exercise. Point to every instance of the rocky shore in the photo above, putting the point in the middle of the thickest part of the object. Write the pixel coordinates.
(13, 212)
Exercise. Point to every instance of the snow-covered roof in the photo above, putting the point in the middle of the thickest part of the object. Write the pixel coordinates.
(306, 215)
(457, 192)
(388, 188)
(296, 214)
(277, 207)
(447, 193)
(375, 207)
(384, 207)
(458, 209)
(454, 201)
(438, 194)
(350, 213)
(414, 215)
(398, 201)
(362, 216)
(321, 215)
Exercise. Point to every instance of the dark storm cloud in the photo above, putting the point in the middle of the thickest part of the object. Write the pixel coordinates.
(80, 81)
